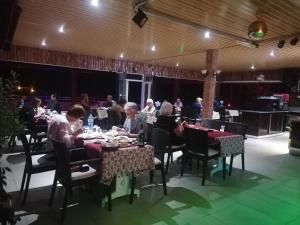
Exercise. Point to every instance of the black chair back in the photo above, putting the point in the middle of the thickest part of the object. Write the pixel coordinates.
(63, 169)
(236, 128)
(160, 140)
(113, 118)
(212, 124)
(196, 141)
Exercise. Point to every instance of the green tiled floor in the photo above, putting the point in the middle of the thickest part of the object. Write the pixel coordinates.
(267, 193)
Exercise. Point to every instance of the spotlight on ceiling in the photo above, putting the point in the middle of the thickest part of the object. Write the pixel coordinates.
(140, 18)
(294, 41)
(281, 43)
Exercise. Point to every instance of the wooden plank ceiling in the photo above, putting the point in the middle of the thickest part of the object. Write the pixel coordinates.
(108, 30)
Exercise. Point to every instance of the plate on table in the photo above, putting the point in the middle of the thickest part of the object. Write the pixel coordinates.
(123, 139)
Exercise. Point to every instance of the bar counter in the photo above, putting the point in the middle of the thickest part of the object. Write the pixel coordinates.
(261, 123)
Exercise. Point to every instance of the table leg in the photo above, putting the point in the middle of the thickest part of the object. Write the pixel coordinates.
(123, 183)
(219, 167)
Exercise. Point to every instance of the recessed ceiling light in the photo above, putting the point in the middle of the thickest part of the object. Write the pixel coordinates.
(153, 48)
(177, 64)
(61, 29)
(122, 55)
(44, 43)
(272, 53)
(252, 67)
(95, 3)
(207, 34)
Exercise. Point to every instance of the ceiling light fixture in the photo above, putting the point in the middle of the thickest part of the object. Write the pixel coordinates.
(153, 48)
(61, 29)
(122, 55)
(94, 3)
(272, 53)
(294, 41)
(281, 43)
(140, 18)
(252, 67)
(207, 34)
(258, 29)
(177, 64)
(44, 43)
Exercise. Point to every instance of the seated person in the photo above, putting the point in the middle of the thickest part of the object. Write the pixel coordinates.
(198, 107)
(109, 101)
(167, 122)
(178, 106)
(84, 102)
(61, 128)
(133, 123)
(39, 111)
(149, 109)
(118, 108)
(54, 105)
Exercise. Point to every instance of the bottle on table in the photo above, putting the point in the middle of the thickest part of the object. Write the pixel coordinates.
(90, 122)
(141, 137)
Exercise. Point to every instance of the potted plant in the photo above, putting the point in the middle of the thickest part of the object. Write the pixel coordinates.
(9, 124)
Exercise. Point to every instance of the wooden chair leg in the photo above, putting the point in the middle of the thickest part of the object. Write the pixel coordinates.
(163, 177)
(204, 172)
(132, 189)
(172, 157)
(224, 168)
(243, 161)
(26, 188)
(151, 173)
(54, 185)
(64, 207)
(230, 166)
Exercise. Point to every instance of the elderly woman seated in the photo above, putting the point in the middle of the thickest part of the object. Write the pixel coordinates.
(167, 122)
(133, 123)
(149, 109)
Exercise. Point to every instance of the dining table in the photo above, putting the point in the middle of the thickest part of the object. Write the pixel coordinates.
(230, 144)
(121, 158)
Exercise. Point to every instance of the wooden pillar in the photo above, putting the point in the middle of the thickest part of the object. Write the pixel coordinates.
(73, 86)
(210, 83)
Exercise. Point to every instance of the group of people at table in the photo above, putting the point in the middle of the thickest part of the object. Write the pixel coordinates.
(65, 127)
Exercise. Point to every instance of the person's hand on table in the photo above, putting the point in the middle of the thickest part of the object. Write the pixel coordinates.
(78, 132)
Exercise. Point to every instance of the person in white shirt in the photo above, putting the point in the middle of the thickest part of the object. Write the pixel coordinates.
(149, 109)
(178, 105)
(39, 111)
(62, 128)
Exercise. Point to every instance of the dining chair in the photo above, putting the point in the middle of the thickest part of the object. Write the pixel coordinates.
(73, 173)
(38, 132)
(36, 162)
(212, 124)
(241, 129)
(160, 140)
(197, 147)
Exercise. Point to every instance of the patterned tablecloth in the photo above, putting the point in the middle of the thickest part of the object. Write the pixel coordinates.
(231, 144)
(131, 159)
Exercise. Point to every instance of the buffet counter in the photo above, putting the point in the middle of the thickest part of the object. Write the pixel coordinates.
(262, 123)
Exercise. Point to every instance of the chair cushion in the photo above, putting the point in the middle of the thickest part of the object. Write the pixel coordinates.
(156, 161)
(78, 175)
(43, 160)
